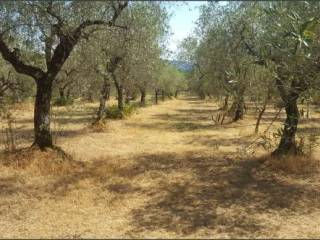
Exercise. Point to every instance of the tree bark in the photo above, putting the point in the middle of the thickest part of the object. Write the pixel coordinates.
(287, 143)
(43, 137)
(156, 96)
(162, 95)
(226, 103)
(120, 97)
(105, 93)
(61, 92)
(143, 97)
(264, 107)
(202, 95)
(238, 106)
(237, 109)
(260, 115)
(127, 98)
(120, 89)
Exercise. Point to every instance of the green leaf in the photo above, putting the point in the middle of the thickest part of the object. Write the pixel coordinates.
(309, 34)
(309, 27)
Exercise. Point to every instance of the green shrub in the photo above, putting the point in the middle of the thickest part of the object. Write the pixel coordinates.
(62, 101)
(113, 112)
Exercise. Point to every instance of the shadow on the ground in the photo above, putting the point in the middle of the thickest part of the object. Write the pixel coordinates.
(222, 195)
(9, 186)
(27, 135)
(173, 126)
(70, 118)
(214, 141)
(212, 193)
(309, 130)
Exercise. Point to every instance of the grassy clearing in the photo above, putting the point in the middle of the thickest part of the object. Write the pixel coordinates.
(167, 171)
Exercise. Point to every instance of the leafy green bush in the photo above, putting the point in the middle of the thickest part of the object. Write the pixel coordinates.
(113, 112)
(62, 101)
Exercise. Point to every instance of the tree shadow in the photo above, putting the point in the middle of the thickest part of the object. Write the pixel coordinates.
(173, 126)
(25, 137)
(221, 196)
(9, 186)
(213, 194)
(184, 118)
(73, 119)
(309, 120)
(308, 130)
(213, 141)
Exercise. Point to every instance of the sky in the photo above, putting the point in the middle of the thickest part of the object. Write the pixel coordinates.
(182, 22)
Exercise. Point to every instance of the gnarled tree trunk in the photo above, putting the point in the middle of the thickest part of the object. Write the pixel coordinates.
(127, 97)
(287, 143)
(261, 112)
(226, 102)
(105, 93)
(43, 137)
(238, 106)
(61, 92)
(202, 95)
(120, 97)
(143, 97)
(237, 109)
(156, 92)
(163, 95)
(176, 93)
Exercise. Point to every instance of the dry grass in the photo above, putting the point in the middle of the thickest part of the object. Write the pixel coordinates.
(293, 164)
(166, 172)
(34, 161)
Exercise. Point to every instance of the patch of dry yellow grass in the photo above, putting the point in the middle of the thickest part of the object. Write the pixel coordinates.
(293, 164)
(166, 172)
(34, 161)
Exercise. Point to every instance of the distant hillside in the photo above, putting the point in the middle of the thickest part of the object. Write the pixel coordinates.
(181, 65)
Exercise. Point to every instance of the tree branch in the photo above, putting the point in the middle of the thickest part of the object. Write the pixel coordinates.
(17, 63)
(67, 42)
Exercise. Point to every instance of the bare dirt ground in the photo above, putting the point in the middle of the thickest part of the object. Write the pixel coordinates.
(166, 172)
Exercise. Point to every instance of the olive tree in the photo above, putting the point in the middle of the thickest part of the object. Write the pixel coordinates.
(50, 30)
